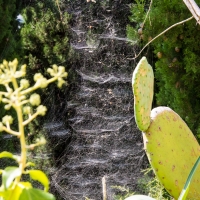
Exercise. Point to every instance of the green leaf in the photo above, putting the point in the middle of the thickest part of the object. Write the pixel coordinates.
(35, 194)
(26, 185)
(6, 154)
(9, 174)
(41, 177)
(16, 192)
(185, 190)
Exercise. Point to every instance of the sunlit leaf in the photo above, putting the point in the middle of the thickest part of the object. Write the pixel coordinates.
(41, 177)
(15, 194)
(35, 194)
(9, 174)
(6, 154)
(26, 185)
(185, 190)
(4, 193)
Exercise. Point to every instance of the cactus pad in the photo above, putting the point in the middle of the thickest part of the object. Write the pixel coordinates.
(142, 83)
(172, 151)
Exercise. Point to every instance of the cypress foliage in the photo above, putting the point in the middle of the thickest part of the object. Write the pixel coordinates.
(45, 36)
(45, 41)
(176, 55)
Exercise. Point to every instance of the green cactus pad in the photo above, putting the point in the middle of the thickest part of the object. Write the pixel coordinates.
(142, 83)
(172, 151)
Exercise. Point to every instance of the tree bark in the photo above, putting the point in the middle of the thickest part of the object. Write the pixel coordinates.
(194, 9)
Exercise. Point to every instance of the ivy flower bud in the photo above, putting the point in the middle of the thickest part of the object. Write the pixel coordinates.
(60, 82)
(35, 99)
(38, 76)
(61, 69)
(27, 110)
(1, 126)
(51, 71)
(19, 74)
(24, 83)
(5, 63)
(7, 119)
(23, 68)
(5, 100)
(65, 74)
(41, 110)
(13, 64)
(42, 82)
(7, 107)
(55, 68)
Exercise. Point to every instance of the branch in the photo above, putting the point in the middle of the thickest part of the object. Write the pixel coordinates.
(32, 117)
(194, 9)
(8, 130)
(181, 22)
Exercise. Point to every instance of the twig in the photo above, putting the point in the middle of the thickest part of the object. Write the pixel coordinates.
(148, 12)
(162, 34)
(194, 9)
(59, 9)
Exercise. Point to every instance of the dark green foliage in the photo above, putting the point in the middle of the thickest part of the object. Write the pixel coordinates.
(176, 56)
(45, 37)
(45, 40)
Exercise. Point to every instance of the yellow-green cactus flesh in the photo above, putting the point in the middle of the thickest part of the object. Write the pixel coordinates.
(172, 151)
(142, 84)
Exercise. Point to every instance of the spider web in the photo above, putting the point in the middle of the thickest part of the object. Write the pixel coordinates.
(90, 128)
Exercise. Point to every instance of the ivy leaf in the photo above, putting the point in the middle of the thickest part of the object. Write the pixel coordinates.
(35, 194)
(6, 154)
(41, 177)
(3, 193)
(26, 185)
(15, 194)
(9, 174)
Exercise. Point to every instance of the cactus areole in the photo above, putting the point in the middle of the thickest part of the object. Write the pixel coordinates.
(172, 151)
(142, 84)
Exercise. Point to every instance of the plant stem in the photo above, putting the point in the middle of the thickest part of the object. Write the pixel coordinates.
(104, 188)
(22, 138)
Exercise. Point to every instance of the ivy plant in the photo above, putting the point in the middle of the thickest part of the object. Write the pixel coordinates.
(19, 95)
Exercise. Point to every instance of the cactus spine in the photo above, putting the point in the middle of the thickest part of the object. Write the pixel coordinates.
(170, 146)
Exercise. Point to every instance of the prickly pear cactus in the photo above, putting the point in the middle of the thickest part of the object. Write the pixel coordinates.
(172, 151)
(142, 84)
